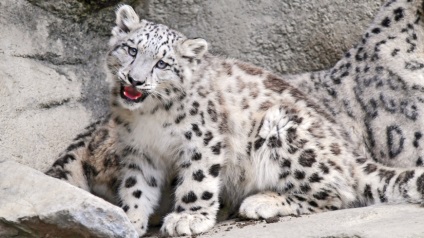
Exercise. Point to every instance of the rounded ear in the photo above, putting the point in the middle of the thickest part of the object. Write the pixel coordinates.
(194, 48)
(126, 18)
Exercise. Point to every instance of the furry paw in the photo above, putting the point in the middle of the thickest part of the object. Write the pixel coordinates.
(139, 222)
(264, 205)
(183, 224)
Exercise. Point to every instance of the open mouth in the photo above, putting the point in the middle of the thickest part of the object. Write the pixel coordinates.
(131, 94)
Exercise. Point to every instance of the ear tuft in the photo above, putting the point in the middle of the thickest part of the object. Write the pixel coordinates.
(126, 18)
(194, 48)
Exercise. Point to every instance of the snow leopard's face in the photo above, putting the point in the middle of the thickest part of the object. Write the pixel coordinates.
(145, 59)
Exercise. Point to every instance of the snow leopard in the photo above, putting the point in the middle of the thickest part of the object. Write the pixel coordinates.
(217, 132)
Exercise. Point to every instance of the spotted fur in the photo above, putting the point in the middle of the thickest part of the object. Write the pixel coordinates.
(223, 132)
(377, 87)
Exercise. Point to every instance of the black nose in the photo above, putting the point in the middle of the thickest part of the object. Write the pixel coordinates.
(134, 82)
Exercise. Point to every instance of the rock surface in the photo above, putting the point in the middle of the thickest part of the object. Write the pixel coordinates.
(384, 221)
(35, 205)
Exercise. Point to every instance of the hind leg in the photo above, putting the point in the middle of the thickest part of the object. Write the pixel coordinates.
(297, 164)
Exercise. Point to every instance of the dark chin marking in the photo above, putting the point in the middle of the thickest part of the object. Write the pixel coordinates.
(144, 95)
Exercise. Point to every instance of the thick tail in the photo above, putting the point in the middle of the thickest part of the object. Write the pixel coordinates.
(382, 184)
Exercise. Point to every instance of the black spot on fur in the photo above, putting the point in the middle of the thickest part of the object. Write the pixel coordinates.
(212, 111)
(395, 140)
(315, 178)
(180, 209)
(399, 14)
(376, 30)
(152, 182)
(137, 193)
(307, 158)
(168, 105)
(284, 174)
(368, 193)
(259, 142)
(299, 174)
(321, 195)
(125, 208)
(180, 118)
(305, 188)
(274, 142)
(361, 160)
(208, 137)
(195, 208)
(64, 160)
(313, 203)
(387, 175)
(402, 179)
(419, 162)
(185, 164)
(324, 168)
(198, 175)
(75, 146)
(420, 184)
(291, 134)
(130, 182)
(285, 163)
(196, 130)
(382, 194)
(289, 186)
(216, 149)
(196, 156)
(207, 195)
(214, 170)
(386, 22)
(189, 197)
(249, 148)
(134, 166)
(299, 198)
(89, 170)
(188, 135)
(370, 168)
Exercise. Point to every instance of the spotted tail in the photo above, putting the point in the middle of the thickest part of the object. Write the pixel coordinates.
(382, 184)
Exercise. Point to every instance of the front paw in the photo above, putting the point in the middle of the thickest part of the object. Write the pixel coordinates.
(138, 221)
(261, 206)
(184, 224)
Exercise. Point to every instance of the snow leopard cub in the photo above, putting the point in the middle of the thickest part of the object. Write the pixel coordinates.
(228, 131)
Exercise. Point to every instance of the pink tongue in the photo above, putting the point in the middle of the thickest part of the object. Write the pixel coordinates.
(131, 93)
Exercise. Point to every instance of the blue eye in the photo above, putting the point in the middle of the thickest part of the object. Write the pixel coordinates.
(161, 64)
(132, 51)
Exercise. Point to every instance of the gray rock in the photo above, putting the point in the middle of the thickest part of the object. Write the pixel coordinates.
(35, 205)
(384, 221)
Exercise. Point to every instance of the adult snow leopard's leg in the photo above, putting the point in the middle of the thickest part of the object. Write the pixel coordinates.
(139, 191)
(197, 190)
(297, 155)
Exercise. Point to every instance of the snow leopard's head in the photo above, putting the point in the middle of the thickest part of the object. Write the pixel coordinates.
(148, 60)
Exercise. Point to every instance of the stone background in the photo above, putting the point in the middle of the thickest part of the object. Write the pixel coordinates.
(52, 78)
